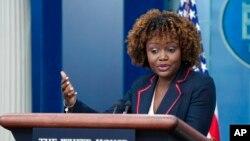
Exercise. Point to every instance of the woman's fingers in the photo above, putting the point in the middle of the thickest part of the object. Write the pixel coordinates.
(64, 77)
(67, 88)
(63, 74)
(65, 84)
(65, 81)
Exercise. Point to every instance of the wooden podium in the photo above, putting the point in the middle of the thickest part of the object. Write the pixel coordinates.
(147, 128)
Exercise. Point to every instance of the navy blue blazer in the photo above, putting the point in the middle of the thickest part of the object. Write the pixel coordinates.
(191, 97)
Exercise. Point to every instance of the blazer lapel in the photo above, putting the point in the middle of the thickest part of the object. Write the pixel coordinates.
(169, 100)
(174, 92)
(144, 96)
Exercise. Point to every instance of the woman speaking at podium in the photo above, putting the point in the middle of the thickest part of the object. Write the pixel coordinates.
(169, 45)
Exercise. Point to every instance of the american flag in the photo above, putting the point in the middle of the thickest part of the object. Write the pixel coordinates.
(188, 9)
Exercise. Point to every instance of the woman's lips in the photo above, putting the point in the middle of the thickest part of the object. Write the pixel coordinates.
(163, 67)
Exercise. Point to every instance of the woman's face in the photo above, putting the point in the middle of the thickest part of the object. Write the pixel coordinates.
(164, 56)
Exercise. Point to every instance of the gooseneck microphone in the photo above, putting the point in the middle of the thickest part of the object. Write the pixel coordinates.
(117, 105)
(128, 105)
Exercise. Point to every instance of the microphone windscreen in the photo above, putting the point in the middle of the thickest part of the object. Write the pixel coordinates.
(118, 105)
(128, 105)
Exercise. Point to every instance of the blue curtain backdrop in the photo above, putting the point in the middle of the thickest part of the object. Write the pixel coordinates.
(46, 55)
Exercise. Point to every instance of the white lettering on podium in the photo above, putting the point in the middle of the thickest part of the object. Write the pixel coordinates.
(47, 139)
(111, 140)
(75, 139)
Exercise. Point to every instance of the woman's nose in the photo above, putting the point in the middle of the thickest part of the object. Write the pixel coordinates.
(163, 55)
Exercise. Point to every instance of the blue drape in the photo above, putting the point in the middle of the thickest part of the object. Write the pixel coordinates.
(46, 17)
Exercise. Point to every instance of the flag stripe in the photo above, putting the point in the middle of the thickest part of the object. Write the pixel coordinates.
(214, 130)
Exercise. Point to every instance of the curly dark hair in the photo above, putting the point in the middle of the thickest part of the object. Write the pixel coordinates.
(163, 24)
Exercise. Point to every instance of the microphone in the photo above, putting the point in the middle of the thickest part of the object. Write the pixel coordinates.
(128, 105)
(117, 105)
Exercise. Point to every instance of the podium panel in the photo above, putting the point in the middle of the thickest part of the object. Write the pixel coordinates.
(98, 127)
(82, 134)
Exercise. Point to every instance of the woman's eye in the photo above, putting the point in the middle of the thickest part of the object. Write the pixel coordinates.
(171, 50)
(154, 51)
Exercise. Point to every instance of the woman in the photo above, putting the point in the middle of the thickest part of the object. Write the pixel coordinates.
(169, 45)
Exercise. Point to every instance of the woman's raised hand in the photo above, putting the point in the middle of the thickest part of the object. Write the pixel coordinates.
(68, 91)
